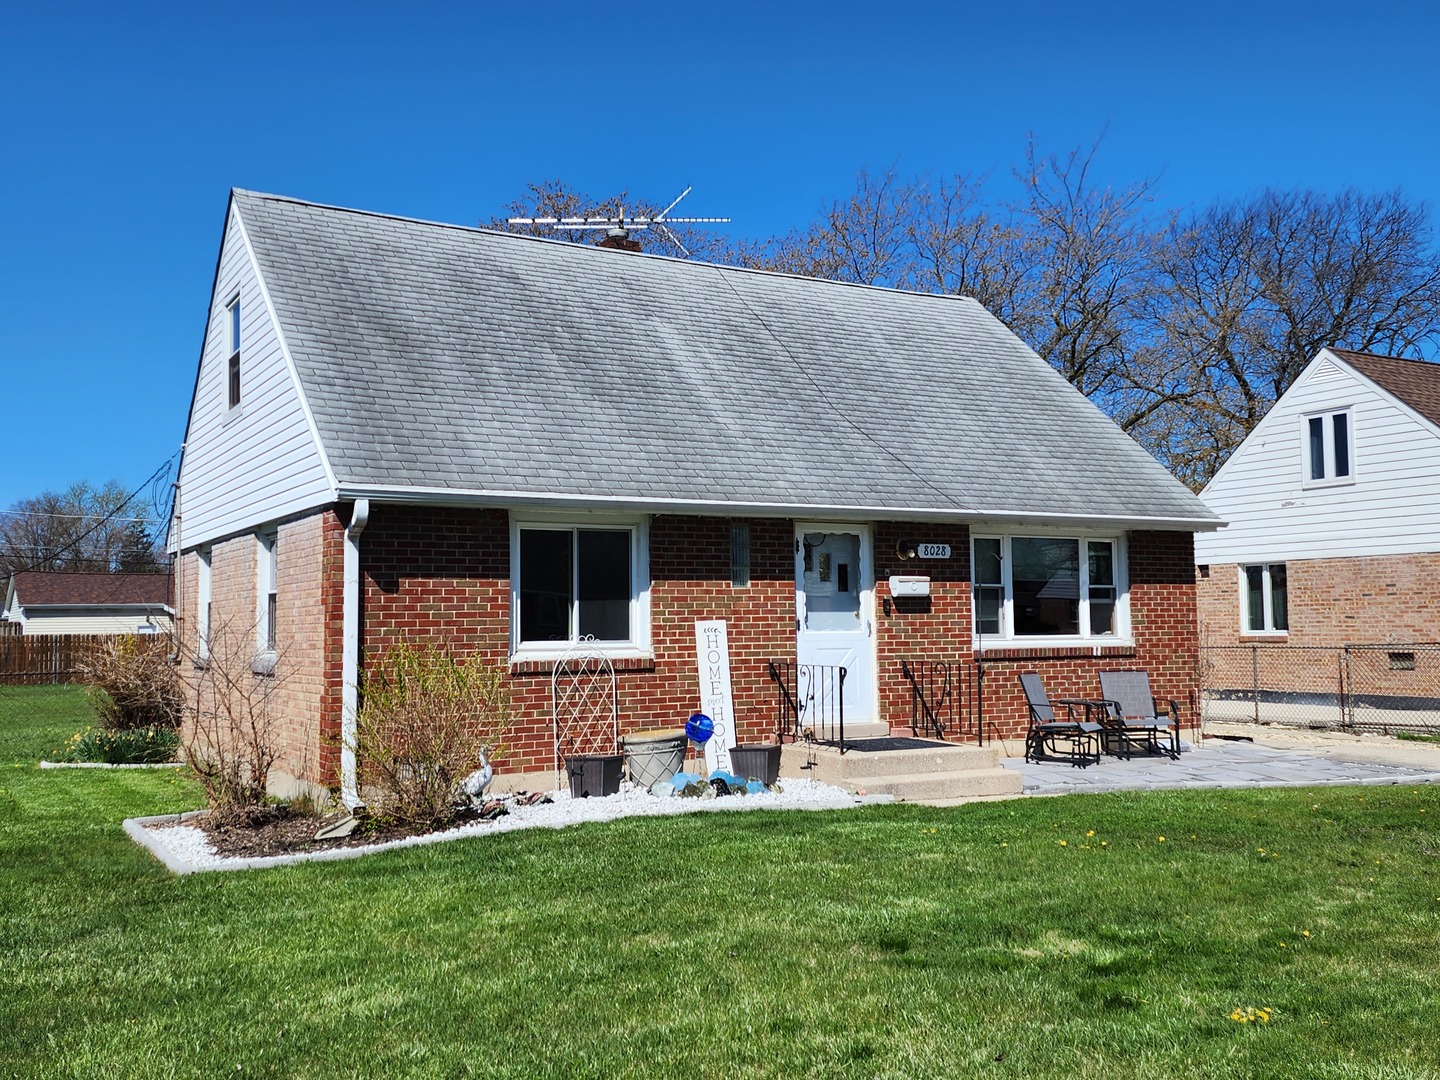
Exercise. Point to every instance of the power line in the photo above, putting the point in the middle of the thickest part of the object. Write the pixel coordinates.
(74, 544)
(74, 517)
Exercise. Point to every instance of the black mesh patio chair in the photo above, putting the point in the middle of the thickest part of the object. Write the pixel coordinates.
(1082, 737)
(1134, 716)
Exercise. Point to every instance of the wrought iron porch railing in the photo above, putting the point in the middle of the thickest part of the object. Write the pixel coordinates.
(809, 702)
(938, 691)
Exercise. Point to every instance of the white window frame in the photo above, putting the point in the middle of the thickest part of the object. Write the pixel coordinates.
(232, 332)
(1123, 634)
(266, 582)
(638, 647)
(202, 603)
(1267, 598)
(1327, 420)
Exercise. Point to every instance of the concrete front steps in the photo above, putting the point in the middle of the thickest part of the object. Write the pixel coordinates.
(936, 773)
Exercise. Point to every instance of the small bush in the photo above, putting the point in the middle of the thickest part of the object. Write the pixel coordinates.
(132, 746)
(132, 685)
(426, 721)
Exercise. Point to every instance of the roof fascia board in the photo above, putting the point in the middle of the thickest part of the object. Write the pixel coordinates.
(90, 609)
(285, 351)
(620, 503)
(200, 360)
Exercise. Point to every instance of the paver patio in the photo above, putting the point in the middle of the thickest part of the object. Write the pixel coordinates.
(1302, 760)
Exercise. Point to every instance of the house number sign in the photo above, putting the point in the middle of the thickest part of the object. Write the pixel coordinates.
(933, 551)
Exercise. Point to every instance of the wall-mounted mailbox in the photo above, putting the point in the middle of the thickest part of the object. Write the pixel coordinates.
(909, 585)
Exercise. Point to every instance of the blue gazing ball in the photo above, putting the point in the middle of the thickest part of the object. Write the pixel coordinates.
(699, 728)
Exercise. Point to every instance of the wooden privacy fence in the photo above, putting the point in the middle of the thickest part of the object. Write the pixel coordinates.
(36, 659)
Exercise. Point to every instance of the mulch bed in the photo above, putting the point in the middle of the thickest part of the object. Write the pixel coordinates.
(281, 830)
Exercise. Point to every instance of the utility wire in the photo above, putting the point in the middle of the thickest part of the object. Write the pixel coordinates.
(114, 514)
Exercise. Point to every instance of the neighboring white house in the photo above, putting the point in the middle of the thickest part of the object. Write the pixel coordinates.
(41, 602)
(1333, 504)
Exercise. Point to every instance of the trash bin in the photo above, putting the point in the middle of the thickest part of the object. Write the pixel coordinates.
(653, 756)
(594, 775)
(759, 761)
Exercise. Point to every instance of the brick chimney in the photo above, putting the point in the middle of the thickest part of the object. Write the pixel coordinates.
(619, 240)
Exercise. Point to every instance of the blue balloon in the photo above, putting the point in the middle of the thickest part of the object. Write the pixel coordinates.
(699, 728)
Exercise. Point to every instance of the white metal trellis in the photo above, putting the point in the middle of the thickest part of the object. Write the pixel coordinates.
(583, 704)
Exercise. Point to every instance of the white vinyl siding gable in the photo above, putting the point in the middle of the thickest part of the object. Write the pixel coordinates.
(260, 460)
(1389, 504)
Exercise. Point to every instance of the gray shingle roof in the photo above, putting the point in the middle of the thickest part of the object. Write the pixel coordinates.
(436, 356)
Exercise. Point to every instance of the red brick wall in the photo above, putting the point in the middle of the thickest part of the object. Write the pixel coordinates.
(1373, 599)
(306, 680)
(1364, 599)
(1162, 617)
(444, 574)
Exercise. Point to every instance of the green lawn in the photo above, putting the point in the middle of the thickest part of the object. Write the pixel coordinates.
(998, 940)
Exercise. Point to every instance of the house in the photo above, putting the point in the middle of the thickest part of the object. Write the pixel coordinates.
(49, 602)
(403, 429)
(1333, 505)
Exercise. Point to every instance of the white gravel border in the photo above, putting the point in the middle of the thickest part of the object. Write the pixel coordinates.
(185, 849)
(108, 765)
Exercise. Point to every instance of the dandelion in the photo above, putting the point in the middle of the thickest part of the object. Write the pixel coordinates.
(1090, 833)
(1106, 843)
(1064, 844)
(1162, 839)
(1305, 933)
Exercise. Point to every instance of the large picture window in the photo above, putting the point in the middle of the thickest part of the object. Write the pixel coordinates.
(1044, 587)
(577, 581)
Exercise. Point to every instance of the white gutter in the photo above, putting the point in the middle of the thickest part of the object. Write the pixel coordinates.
(350, 653)
(435, 496)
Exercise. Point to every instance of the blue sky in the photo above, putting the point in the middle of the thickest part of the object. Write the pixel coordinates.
(124, 126)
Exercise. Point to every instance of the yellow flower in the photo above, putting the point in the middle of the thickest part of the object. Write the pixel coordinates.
(1064, 844)
(1106, 843)
(1304, 933)
(1090, 833)
(1162, 839)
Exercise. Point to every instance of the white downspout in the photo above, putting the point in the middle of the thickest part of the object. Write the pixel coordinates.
(350, 653)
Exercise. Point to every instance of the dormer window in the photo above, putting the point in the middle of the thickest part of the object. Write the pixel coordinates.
(1328, 448)
(233, 370)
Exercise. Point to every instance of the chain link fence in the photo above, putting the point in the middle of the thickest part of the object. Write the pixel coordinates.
(1355, 687)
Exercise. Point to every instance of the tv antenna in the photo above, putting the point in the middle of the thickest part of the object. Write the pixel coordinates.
(621, 226)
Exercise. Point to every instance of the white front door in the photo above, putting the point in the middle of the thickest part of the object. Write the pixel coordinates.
(835, 606)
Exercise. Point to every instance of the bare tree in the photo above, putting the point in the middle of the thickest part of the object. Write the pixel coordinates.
(1250, 290)
(83, 528)
(231, 737)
